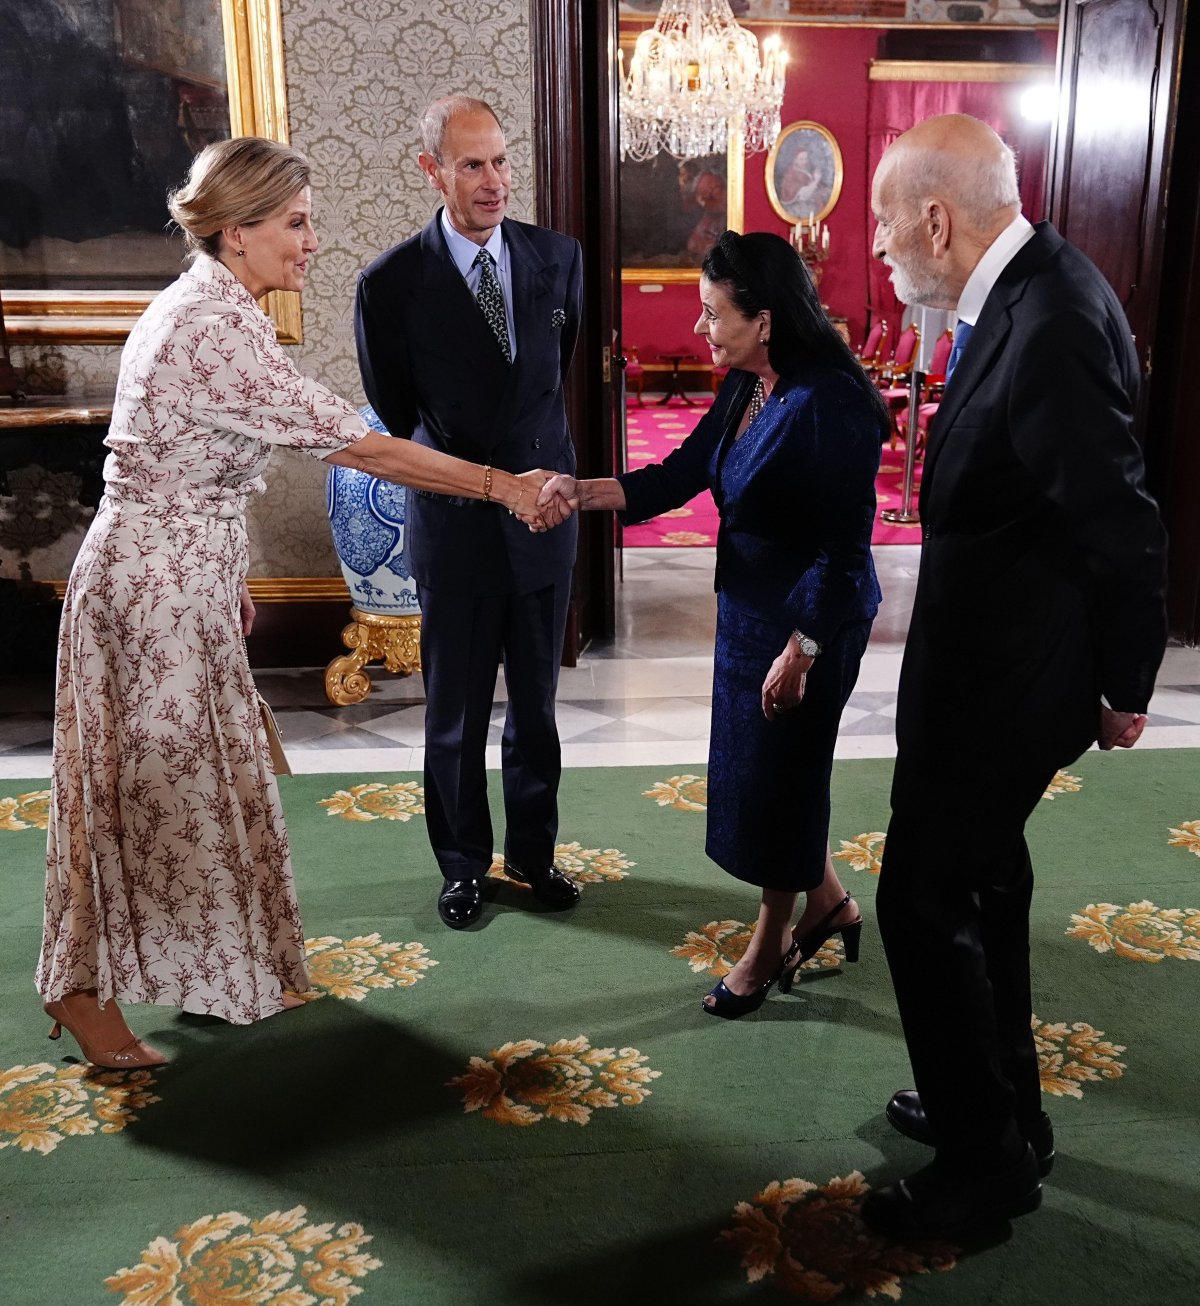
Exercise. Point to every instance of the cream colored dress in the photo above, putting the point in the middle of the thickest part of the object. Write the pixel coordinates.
(169, 878)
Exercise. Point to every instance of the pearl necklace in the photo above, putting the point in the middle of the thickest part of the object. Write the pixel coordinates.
(758, 398)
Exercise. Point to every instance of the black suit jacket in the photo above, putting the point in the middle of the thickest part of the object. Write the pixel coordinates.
(434, 373)
(1042, 574)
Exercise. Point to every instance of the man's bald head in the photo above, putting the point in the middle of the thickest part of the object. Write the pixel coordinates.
(943, 191)
(961, 160)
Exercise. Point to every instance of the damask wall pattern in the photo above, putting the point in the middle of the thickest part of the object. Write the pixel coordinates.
(359, 73)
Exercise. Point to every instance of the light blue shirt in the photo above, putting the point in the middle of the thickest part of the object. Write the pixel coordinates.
(464, 253)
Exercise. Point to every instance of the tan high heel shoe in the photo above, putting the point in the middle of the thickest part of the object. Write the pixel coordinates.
(101, 1032)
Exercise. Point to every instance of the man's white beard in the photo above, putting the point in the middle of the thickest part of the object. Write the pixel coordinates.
(907, 290)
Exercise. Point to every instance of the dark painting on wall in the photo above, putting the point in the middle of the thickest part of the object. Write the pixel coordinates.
(672, 210)
(102, 105)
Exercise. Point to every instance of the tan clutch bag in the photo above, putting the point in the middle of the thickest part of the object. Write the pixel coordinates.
(279, 762)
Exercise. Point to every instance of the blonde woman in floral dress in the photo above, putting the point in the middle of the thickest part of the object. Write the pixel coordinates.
(169, 878)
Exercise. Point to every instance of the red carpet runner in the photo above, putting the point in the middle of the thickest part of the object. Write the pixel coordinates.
(652, 432)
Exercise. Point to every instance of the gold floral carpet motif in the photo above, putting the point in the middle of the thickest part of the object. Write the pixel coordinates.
(42, 1106)
(811, 1242)
(280, 1259)
(1186, 835)
(535, 1111)
(1070, 1056)
(25, 811)
(1139, 932)
(863, 853)
(352, 968)
(687, 793)
(526, 1082)
(377, 802)
(583, 866)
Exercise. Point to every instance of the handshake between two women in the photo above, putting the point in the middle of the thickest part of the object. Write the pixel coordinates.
(561, 495)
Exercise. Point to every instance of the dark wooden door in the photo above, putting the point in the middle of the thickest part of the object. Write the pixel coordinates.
(575, 162)
(1125, 187)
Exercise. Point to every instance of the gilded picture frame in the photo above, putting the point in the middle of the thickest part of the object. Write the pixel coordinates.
(804, 172)
(686, 190)
(257, 95)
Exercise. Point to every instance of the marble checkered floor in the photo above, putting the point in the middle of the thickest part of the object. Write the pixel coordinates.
(641, 698)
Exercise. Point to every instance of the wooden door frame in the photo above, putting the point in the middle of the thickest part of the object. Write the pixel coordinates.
(574, 149)
(1160, 295)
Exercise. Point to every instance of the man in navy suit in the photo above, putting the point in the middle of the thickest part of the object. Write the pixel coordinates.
(465, 333)
(1038, 626)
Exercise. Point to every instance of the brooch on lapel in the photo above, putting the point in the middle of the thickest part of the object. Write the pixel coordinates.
(558, 317)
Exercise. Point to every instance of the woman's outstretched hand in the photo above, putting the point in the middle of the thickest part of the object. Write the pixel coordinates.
(526, 508)
(558, 499)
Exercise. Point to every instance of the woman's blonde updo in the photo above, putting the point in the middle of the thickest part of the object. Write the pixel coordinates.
(235, 184)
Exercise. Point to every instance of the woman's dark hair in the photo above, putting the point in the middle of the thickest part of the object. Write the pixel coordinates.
(762, 271)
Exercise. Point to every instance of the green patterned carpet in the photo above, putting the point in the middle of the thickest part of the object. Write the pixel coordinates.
(538, 1111)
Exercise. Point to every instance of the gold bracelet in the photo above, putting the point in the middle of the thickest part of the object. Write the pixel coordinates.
(512, 512)
(487, 484)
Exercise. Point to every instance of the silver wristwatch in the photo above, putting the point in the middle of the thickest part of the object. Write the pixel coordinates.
(808, 647)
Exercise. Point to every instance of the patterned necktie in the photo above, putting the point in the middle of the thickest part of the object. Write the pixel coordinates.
(962, 333)
(490, 297)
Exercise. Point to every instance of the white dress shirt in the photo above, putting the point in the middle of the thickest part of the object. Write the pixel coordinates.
(998, 255)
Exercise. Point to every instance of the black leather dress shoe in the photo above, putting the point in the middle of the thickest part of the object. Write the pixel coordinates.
(550, 886)
(905, 1113)
(938, 1202)
(460, 902)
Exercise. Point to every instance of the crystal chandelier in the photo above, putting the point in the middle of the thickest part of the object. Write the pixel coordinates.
(694, 76)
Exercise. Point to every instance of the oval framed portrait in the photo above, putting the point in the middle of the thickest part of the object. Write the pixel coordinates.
(804, 172)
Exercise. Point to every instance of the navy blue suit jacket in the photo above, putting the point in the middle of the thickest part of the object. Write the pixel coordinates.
(434, 373)
(796, 495)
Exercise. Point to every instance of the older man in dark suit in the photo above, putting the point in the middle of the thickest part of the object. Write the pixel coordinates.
(1037, 629)
(465, 332)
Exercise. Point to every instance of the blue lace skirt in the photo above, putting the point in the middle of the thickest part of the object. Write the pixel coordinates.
(768, 781)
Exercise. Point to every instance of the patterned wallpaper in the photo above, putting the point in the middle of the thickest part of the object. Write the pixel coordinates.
(359, 72)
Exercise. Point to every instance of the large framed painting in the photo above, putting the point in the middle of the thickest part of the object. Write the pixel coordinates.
(804, 173)
(674, 210)
(103, 105)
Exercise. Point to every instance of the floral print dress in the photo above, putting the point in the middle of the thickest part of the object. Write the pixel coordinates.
(169, 877)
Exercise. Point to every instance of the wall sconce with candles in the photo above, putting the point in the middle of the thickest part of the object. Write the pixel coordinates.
(810, 239)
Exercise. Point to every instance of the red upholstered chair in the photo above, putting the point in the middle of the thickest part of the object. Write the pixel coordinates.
(893, 384)
(935, 384)
(635, 373)
(871, 354)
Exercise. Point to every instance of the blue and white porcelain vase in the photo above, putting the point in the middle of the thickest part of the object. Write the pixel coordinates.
(367, 516)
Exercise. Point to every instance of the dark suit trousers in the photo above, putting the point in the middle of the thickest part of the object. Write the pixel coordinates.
(953, 907)
(464, 640)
